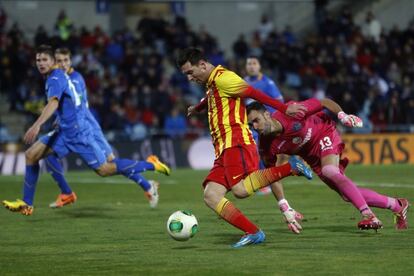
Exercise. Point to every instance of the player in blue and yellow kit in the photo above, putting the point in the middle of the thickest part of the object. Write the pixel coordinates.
(67, 196)
(72, 135)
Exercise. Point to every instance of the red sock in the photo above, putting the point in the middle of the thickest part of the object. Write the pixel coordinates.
(235, 217)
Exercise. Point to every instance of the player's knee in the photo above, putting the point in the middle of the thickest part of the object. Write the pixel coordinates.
(239, 191)
(102, 171)
(106, 169)
(211, 199)
(330, 171)
(30, 156)
(110, 157)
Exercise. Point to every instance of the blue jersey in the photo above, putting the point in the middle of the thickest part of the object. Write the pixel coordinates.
(70, 112)
(80, 87)
(93, 125)
(267, 86)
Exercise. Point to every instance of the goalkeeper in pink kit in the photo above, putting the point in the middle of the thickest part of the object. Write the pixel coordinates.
(317, 141)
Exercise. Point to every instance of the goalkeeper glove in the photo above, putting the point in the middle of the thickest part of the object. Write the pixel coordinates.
(350, 120)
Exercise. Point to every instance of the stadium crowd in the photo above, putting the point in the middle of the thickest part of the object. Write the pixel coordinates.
(135, 87)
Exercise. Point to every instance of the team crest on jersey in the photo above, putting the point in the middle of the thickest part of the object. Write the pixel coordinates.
(296, 140)
(296, 126)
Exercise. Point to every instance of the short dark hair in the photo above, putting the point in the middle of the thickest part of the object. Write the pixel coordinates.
(253, 56)
(45, 49)
(193, 55)
(255, 106)
(63, 51)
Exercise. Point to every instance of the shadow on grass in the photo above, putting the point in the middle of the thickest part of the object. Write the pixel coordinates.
(88, 212)
(184, 247)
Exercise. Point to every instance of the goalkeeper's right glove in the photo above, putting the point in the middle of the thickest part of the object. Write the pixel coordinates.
(349, 120)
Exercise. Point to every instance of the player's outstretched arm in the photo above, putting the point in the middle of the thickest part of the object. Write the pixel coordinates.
(294, 110)
(348, 120)
(47, 112)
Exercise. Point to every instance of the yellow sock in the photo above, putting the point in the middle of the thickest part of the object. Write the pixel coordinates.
(262, 178)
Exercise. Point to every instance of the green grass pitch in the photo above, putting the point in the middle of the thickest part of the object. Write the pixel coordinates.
(112, 230)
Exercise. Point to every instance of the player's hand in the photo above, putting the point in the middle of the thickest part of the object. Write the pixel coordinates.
(296, 110)
(292, 219)
(31, 134)
(191, 110)
(350, 120)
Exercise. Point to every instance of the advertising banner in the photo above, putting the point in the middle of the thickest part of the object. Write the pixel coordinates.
(364, 149)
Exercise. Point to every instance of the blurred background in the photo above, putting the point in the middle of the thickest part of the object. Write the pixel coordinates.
(359, 53)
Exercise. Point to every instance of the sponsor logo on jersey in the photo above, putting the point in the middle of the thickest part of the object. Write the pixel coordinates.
(296, 126)
(308, 136)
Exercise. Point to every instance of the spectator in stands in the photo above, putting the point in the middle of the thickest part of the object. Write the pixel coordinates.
(3, 19)
(265, 28)
(175, 124)
(41, 36)
(240, 48)
(63, 25)
(372, 27)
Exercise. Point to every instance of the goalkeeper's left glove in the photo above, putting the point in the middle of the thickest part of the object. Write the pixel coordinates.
(349, 120)
(291, 217)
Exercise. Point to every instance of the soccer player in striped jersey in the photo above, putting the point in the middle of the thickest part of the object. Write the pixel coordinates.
(317, 141)
(237, 162)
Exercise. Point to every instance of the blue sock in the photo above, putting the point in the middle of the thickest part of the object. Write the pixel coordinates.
(54, 167)
(141, 181)
(129, 167)
(30, 181)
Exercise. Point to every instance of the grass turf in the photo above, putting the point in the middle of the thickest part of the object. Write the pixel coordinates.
(112, 230)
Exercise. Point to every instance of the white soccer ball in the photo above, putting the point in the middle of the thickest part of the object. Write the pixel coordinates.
(182, 225)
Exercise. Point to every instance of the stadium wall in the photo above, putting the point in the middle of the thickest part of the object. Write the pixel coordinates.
(30, 14)
(366, 149)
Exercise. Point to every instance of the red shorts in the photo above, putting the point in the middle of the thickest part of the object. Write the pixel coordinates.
(233, 165)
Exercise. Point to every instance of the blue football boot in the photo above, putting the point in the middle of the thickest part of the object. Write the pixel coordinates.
(256, 238)
(299, 168)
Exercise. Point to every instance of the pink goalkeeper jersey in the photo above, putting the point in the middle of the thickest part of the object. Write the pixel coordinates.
(311, 138)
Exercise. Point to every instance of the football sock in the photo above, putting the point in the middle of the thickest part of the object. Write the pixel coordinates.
(283, 205)
(262, 178)
(226, 210)
(141, 181)
(347, 188)
(30, 180)
(54, 167)
(129, 167)
(375, 199)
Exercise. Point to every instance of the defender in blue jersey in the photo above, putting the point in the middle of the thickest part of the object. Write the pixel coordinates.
(263, 83)
(73, 134)
(67, 196)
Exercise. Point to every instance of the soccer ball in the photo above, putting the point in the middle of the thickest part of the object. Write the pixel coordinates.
(182, 225)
